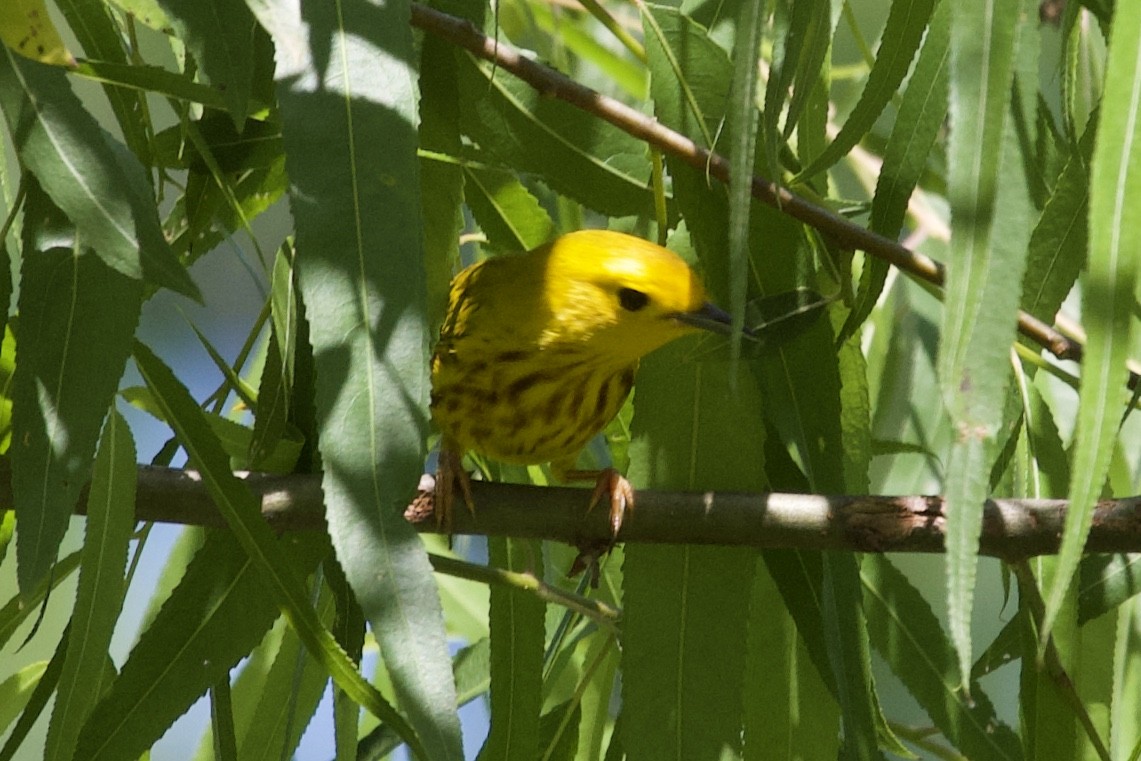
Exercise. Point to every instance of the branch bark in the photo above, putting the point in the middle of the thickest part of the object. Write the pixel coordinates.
(1013, 529)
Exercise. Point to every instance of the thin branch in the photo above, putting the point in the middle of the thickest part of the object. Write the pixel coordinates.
(844, 232)
(1013, 529)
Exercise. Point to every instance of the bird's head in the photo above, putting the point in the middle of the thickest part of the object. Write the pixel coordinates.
(624, 295)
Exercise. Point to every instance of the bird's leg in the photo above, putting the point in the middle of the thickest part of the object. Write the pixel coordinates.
(449, 472)
(608, 481)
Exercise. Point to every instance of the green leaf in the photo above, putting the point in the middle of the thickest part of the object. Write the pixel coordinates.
(91, 23)
(21, 607)
(1058, 243)
(101, 187)
(684, 621)
(1108, 297)
(1105, 582)
(441, 176)
(360, 261)
(905, 631)
(517, 638)
(814, 49)
(846, 636)
(16, 690)
(110, 521)
(921, 115)
(1049, 725)
(241, 511)
(743, 120)
(37, 701)
(72, 354)
(578, 155)
(906, 24)
(220, 34)
(690, 74)
(506, 211)
(559, 732)
(282, 705)
(1123, 719)
(989, 204)
(218, 612)
(791, 713)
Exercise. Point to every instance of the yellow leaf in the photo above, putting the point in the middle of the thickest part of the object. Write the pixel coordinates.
(26, 28)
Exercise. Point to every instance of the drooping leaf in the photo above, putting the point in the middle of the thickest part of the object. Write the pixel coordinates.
(906, 24)
(989, 207)
(101, 187)
(72, 354)
(217, 614)
(110, 520)
(362, 279)
(1108, 298)
(221, 35)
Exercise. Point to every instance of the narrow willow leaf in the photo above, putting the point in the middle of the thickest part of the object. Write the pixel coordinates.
(91, 23)
(815, 49)
(1058, 243)
(286, 700)
(19, 609)
(988, 250)
(690, 74)
(101, 187)
(27, 28)
(846, 636)
(1049, 726)
(789, 710)
(684, 622)
(1105, 582)
(218, 612)
(241, 511)
(441, 179)
(1124, 722)
(5, 309)
(360, 260)
(559, 732)
(578, 155)
(517, 638)
(921, 116)
(906, 23)
(506, 211)
(790, 22)
(1094, 675)
(905, 631)
(1108, 296)
(72, 354)
(37, 701)
(220, 34)
(110, 521)
(16, 690)
(743, 120)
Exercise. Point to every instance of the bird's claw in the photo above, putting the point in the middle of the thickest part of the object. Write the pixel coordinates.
(611, 482)
(450, 472)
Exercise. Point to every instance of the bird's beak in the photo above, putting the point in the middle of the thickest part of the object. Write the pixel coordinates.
(709, 317)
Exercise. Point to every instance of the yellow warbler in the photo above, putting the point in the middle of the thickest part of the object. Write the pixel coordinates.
(538, 351)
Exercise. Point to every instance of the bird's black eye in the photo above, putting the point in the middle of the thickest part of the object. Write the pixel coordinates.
(632, 300)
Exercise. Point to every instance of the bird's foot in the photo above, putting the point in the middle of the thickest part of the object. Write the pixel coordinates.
(450, 472)
(613, 484)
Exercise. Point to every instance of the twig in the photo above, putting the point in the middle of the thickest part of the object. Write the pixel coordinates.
(1013, 529)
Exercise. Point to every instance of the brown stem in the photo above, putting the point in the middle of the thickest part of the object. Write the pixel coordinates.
(1013, 529)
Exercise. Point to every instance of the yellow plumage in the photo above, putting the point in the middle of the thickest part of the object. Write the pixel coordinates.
(538, 351)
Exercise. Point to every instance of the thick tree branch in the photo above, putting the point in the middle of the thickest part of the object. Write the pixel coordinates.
(1013, 529)
(844, 232)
